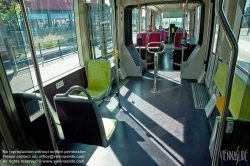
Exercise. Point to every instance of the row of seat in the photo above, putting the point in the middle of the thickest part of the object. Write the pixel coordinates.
(148, 38)
(77, 117)
(160, 36)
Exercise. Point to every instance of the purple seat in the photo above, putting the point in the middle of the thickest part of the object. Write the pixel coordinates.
(177, 37)
(163, 35)
(154, 37)
(81, 120)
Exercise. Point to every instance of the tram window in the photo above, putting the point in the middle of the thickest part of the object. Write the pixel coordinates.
(135, 21)
(163, 19)
(135, 24)
(100, 23)
(157, 21)
(53, 30)
(143, 20)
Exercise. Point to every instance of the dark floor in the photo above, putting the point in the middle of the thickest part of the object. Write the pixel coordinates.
(165, 61)
(153, 129)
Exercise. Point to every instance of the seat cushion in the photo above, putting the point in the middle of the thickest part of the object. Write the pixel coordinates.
(109, 126)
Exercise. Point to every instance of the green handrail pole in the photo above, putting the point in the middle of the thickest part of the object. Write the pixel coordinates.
(38, 75)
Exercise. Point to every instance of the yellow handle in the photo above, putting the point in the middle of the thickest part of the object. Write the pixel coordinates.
(220, 103)
(116, 53)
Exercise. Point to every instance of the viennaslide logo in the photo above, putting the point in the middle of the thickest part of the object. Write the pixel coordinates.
(234, 155)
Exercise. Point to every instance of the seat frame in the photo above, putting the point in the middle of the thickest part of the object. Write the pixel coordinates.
(84, 99)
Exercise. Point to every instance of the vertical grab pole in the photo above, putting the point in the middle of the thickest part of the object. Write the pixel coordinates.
(139, 16)
(230, 75)
(155, 90)
(183, 32)
(116, 48)
(38, 76)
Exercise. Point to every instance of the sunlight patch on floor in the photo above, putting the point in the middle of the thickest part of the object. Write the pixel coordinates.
(166, 149)
(173, 76)
(124, 91)
(106, 156)
(112, 105)
(171, 125)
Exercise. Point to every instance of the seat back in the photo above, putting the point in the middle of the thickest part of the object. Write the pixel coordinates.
(177, 38)
(163, 35)
(80, 118)
(154, 37)
(99, 73)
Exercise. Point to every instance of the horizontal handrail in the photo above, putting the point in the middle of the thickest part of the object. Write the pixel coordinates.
(153, 52)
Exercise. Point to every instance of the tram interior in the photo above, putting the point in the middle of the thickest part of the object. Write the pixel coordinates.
(166, 128)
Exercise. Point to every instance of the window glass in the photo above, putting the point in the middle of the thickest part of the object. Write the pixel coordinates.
(14, 48)
(175, 19)
(100, 29)
(108, 28)
(157, 20)
(53, 31)
(149, 19)
(135, 24)
(171, 18)
(143, 20)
